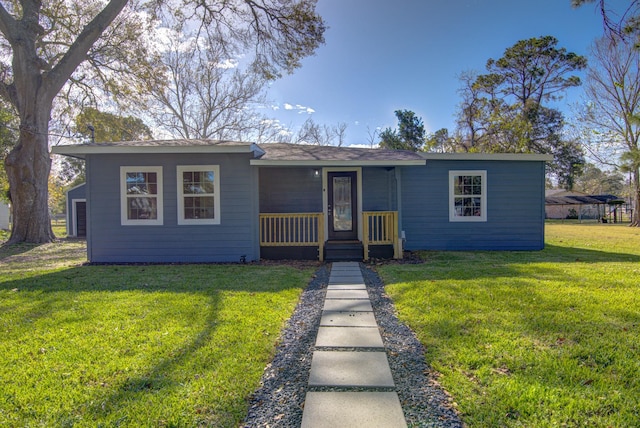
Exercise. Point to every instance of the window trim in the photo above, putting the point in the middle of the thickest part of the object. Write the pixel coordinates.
(216, 194)
(124, 219)
(483, 197)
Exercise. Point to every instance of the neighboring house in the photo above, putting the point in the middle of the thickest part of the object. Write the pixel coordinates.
(564, 204)
(76, 211)
(5, 214)
(222, 201)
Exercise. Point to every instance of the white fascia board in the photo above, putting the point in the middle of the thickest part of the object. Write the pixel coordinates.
(335, 163)
(487, 156)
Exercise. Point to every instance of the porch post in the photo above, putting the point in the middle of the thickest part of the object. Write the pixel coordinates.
(321, 237)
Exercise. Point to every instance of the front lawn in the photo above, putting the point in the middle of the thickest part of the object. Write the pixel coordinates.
(548, 338)
(174, 345)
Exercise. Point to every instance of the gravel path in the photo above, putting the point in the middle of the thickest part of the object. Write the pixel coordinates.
(280, 399)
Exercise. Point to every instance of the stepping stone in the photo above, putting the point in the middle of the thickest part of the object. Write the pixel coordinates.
(359, 286)
(352, 409)
(349, 337)
(347, 294)
(344, 265)
(350, 369)
(346, 280)
(349, 272)
(356, 276)
(347, 305)
(347, 319)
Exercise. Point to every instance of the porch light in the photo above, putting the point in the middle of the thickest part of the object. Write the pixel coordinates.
(316, 173)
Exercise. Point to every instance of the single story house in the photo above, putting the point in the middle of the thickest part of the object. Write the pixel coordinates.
(226, 201)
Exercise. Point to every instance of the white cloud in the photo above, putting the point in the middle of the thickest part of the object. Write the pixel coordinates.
(299, 108)
(363, 146)
(228, 63)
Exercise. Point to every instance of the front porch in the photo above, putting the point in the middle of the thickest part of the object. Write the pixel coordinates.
(302, 236)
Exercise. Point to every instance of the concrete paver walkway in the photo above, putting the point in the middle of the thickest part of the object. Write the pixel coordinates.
(350, 383)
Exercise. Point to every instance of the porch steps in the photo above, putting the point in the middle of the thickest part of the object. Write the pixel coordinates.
(340, 251)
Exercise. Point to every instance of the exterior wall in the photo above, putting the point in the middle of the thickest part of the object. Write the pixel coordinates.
(515, 207)
(290, 190)
(298, 190)
(236, 235)
(567, 211)
(379, 189)
(4, 215)
(75, 194)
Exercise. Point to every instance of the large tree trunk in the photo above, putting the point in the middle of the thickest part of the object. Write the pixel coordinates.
(27, 167)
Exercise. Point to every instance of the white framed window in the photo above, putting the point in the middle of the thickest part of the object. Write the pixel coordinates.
(467, 195)
(141, 195)
(198, 194)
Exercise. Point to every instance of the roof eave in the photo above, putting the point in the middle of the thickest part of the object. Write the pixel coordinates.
(531, 157)
(80, 151)
(336, 163)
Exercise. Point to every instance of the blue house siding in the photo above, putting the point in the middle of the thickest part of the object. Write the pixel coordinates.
(294, 190)
(290, 190)
(235, 236)
(379, 189)
(73, 196)
(515, 207)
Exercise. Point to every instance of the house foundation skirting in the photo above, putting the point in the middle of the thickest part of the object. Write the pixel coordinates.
(289, 253)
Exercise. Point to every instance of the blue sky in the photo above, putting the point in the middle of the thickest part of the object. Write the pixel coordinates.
(381, 56)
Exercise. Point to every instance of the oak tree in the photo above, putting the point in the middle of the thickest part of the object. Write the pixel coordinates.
(49, 46)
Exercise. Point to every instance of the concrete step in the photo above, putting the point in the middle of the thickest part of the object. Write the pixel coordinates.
(347, 294)
(352, 409)
(347, 305)
(349, 337)
(350, 369)
(343, 251)
(347, 319)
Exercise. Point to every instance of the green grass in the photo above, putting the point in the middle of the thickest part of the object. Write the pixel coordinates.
(549, 338)
(59, 230)
(181, 345)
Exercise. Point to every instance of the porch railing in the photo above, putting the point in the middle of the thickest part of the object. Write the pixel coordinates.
(295, 229)
(381, 228)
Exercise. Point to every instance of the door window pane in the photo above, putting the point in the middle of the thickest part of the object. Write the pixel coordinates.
(342, 215)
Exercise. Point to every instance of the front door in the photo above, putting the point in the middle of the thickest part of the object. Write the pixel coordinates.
(342, 208)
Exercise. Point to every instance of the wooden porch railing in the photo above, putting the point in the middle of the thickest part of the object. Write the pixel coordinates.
(381, 228)
(295, 229)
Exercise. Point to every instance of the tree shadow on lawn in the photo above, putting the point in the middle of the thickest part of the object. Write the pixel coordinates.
(8, 250)
(55, 292)
(480, 264)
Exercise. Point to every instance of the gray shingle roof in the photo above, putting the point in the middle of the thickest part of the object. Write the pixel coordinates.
(310, 153)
